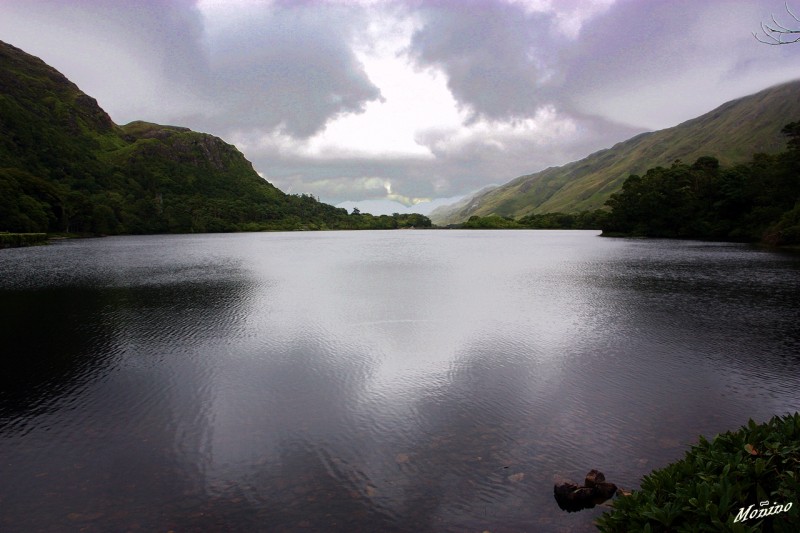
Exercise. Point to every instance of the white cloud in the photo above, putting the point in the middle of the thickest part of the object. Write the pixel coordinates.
(570, 15)
(412, 101)
(547, 127)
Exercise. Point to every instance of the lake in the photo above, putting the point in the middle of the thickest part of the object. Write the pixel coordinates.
(373, 381)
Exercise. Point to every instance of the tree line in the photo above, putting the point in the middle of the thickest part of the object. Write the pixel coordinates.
(31, 204)
(755, 201)
(556, 220)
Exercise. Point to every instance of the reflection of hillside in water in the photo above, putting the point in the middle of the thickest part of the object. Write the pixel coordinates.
(53, 344)
(60, 339)
(103, 398)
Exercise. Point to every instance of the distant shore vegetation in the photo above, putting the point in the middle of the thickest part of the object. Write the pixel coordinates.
(583, 220)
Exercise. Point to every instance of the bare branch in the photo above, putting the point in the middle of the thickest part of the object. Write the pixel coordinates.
(790, 12)
(778, 34)
(778, 25)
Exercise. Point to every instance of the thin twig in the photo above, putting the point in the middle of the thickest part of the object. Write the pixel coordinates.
(776, 35)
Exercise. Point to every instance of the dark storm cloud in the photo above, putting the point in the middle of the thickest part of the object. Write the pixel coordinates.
(283, 65)
(650, 64)
(497, 57)
(97, 41)
(289, 66)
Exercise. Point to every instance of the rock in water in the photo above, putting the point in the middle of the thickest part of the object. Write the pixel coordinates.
(571, 497)
(604, 491)
(594, 477)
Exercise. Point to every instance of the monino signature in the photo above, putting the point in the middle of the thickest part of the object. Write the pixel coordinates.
(761, 511)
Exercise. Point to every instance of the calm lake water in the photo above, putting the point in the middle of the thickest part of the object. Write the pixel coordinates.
(372, 381)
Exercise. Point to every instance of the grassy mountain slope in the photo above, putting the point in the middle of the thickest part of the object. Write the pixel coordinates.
(47, 125)
(66, 167)
(732, 133)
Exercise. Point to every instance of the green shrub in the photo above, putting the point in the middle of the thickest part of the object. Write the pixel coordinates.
(718, 480)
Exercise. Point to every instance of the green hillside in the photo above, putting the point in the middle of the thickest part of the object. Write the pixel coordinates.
(66, 167)
(732, 133)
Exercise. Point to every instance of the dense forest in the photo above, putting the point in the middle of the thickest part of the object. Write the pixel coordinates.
(756, 201)
(65, 167)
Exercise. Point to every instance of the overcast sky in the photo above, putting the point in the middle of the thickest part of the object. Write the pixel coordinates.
(393, 103)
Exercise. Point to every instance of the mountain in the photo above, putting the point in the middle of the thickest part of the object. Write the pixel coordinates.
(732, 133)
(65, 166)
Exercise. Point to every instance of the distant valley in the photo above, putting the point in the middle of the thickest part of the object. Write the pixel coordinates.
(732, 133)
(66, 167)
